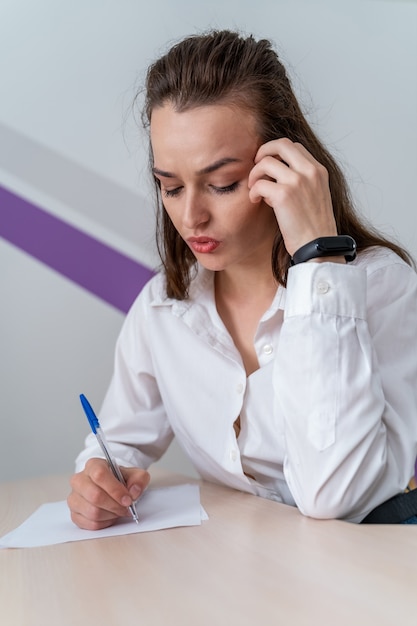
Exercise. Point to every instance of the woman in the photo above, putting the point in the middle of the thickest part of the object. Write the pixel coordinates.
(284, 365)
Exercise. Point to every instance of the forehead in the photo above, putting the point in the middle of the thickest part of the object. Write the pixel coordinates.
(203, 133)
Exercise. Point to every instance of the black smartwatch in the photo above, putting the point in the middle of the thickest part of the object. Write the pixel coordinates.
(341, 245)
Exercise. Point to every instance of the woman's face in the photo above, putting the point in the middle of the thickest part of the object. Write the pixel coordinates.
(202, 158)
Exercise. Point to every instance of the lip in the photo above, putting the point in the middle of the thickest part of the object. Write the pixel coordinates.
(203, 245)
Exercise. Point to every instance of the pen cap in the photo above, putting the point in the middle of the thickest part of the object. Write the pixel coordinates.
(91, 416)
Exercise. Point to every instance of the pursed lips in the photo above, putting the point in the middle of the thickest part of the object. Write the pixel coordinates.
(203, 244)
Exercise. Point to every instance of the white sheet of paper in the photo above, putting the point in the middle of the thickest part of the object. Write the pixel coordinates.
(166, 507)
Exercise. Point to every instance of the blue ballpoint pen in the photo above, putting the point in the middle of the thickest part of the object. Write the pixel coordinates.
(96, 428)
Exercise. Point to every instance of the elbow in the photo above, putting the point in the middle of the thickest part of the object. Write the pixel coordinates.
(326, 502)
(323, 511)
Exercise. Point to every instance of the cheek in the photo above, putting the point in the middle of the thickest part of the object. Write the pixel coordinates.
(248, 211)
(258, 218)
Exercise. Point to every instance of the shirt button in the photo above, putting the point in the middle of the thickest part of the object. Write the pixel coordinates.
(267, 349)
(239, 388)
(233, 455)
(322, 287)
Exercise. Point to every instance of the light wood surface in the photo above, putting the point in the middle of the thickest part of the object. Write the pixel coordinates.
(254, 562)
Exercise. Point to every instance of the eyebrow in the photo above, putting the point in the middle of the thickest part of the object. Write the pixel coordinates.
(206, 170)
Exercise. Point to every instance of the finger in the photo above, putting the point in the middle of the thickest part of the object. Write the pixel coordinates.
(265, 190)
(294, 154)
(97, 485)
(276, 148)
(136, 479)
(87, 524)
(80, 505)
(86, 494)
(87, 515)
(272, 169)
(109, 488)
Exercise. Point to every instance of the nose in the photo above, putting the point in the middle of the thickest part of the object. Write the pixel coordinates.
(195, 210)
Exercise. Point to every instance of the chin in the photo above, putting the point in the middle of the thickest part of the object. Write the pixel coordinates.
(215, 265)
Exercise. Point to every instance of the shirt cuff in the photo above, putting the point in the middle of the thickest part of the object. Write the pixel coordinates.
(327, 288)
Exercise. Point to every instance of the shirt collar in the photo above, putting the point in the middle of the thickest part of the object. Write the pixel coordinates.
(202, 291)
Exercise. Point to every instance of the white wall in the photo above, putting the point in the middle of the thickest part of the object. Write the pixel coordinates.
(68, 73)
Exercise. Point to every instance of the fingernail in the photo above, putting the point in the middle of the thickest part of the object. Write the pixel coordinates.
(126, 501)
(135, 492)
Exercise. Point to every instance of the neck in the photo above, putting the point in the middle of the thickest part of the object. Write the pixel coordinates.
(246, 283)
(242, 297)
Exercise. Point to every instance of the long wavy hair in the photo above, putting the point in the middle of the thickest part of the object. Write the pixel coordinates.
(226, 67)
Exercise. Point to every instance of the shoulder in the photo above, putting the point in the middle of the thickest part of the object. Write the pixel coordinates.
(153, 295)
(153, 292)
(389, 278)
(379, 258)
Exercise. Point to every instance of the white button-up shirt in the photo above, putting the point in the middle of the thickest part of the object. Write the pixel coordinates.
(328, 421)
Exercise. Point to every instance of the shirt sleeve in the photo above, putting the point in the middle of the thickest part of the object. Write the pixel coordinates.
(133, 417)
(345, 379)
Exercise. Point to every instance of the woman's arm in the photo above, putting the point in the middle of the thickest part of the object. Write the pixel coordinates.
(346, 379)
(133, 417)
(136, 426)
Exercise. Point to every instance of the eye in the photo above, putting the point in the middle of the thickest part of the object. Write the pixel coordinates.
(228, 189)
(171, 193)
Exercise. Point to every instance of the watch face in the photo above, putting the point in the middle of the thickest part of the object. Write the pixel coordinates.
(336, 244)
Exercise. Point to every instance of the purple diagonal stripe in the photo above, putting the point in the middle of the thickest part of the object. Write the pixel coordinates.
(102, 270)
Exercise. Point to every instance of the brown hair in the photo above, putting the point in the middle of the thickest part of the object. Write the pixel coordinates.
(225, 66)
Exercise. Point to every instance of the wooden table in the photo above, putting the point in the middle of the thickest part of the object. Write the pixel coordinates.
(254, 563)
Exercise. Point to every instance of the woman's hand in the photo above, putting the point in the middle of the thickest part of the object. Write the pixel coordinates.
(98, 499)
(296, 186)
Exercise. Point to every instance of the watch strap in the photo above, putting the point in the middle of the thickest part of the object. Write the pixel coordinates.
(340, 245)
